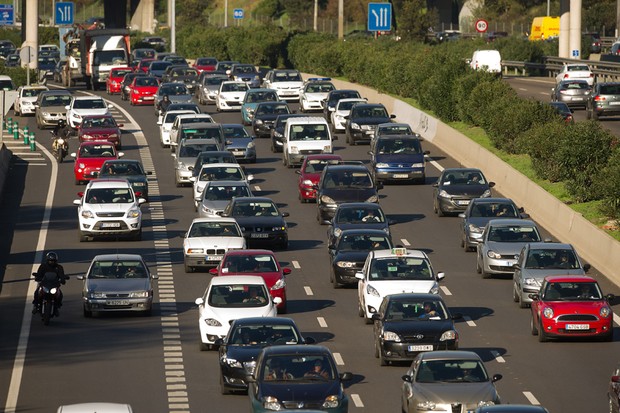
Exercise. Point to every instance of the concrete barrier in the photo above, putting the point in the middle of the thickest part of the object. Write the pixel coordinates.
(593, 244)
(5, 160)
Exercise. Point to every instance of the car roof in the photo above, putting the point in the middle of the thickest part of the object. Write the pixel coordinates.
(265, 320)
(201, 141)
(219, 165)
(550, 246)
(449, 355)
(363, 231)
(369, 105)
(87, 98)
(358, 205)
(108, 183)
(110, 257)
(399, 137)
(227, 183)
(238, 279)
(570, 278)
(255, 199)
(414, 296)
(196, 125)
(98, 407)
(307, 120)
(390, 253)
(307, 349)
(346, 167)
(56, 92)
(511, 222)
(250, 251)
(323, 156)
(491, 200)
(123, 161)
(445, 171)
(213, 219)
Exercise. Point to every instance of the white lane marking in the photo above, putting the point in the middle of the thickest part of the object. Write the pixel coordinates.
(445, 290)
(522, 88)
(530, 397)
(322, 322)
(308, 290)
(543, 93)
(405, 242)
(257, 188)
(338, 358)
(616, 319)
(469, 321)
(296, 265)
(434, 163)
(356, 400)
(499, 358)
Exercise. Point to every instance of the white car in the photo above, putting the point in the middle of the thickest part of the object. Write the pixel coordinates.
(217, 172)
(343, 108)
(109, 207)
(165, 125)
(230, 95)
(288, 83)
(314, 93)
(394, 271)
(208, 239)
(26, 97)
(185, 118)
(228, 298)
(573, 71)
(81, 106)
(98, 407)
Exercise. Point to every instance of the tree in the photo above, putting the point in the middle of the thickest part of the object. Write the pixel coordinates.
(414, 19)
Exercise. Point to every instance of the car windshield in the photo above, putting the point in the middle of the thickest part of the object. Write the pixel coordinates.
(314, 166)
(63, 100)
(263, 335)
(491, 209)
(220, 173)
(238, 295)
(399, 146)
(213, 229)
(514, 233)
(249, 263)
(344, 180)
(184, 106)
(319, 88)
(369, 112)
(120, 72)
(244, 69)
(192, 151)
(173, 90)
(110, 57)
(255, 209)
(298, 367)
(395, 130)
(106, 122)
(316, 132)
(271, 110)
(574, 86)
(31, 92)
(400, 269)
(351, 94)
(577, 68)
(160, 66)
(206, 62)
(97, 151)
(361, 242)
(225, 193)
(451, 371)
(214, 80)
(572, 291)
(552, 259)
(201, 133)
(89, 104)
(117, 269)
(231, 132)
(463, 178)
(415, 309)
(170, 117)
(342, 106)
(360, 216)
(121, 168)
(287, 77)
(147, 81)
(234, 87)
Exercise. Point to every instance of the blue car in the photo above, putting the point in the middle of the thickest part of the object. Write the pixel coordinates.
(47, 64)
(398, 158)
(252, 98)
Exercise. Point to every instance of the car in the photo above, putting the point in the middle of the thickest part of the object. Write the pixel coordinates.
(7, 47)
(350, 251)
(177, 93)
(252, 98)
(604, 100)
(575, 71)
(186, 106)
(593, 39)
(286, 82)
(224, 65)
(314, 93)
(260, 220)
(117, 282)
(572, 92)
(512, 408)
(362, 119)
(156, 68)
(501, 244)
(447, 380)
(98, 407)
(208, 240)
(182, 74)
(310, 173)
(165, 125)
(397, 270)
(343, 183)
(50, 107)
(492, 36)
(341, 111)
(356, 215)
(217, 194)
(46, 66)
(185, 158)
(58, 69)
(205, 64)
(260, 263)
(142, 90)
(162, 55)
(109, 208)
(144, 64)
(175, 60)
(216, 172)
(127, 79)
(571, 306)
(243, 343)
(156, 42)
(305, 136)
(539, 259)
(334, 96)
(479, 212)
(287, 377)
(227, 299)
(245, 73)
(398, 158)
(6, 83)
(277, 132)
(89, 158)
(205, 157)
(13, 60)
(143, 53)
(26, 99)
(230, 95)
(114, 80)
(565, 112)
(128, 169)
(239, 142)
(81, 106)
(613, 393)
(208, 88)
(393, 128)
(179, 120)
(197, 130)
(100, 128)
(456, 187)
(407, 324)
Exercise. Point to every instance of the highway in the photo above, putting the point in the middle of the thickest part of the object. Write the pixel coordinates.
(155, 364)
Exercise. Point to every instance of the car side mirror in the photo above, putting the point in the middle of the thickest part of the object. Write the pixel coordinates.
(392, 116)
(457, 316)
(249, 378)
(199, 301)
(534, 296)
(73, 155)
(192, 178)
(346, 376)
(285, 214)
(213, 271)
(141, 201)
(120, 125)
(286, 271)
(379, 185)
(610, 297)
(81, 277)
(218, 342)
(277, 300)
(524, 215)
(376, 316)
(297, 171)
(250, 178)
(77, 202)
(159, 122)
(121, 154)
(497, 377)
(427, 152)
(586, 267)
(406, 378)
(441, 275)
(491, 184)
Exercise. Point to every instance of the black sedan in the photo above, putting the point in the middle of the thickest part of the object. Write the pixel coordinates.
(350, 251)
(247, 337)
(260, 220)
(456, 187)
(265, 116)
(408, 324)
(361, 122)
(131, 170)
(356, 215)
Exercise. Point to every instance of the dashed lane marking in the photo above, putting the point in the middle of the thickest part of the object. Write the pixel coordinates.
(499, 358)
(357, 401)
(322, 322)
(257, 188)
(616, 319)
(530, 397)
(296, 265)
(445, 290)
(405, 242)
(338, 358)
(469, 321)
(435, 164)
(308, 290)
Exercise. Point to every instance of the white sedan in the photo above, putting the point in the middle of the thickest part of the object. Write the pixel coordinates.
(314, 93)
(231, 95)
(575, 71)
(217, 172)
(229, 298)
(208, 239)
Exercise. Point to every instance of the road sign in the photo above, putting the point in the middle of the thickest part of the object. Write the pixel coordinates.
(7, 15)
(481, 25)
(379, 17)
(8, 99)
(63, 13)
(27, 54)
(575, 53)
(238, 13)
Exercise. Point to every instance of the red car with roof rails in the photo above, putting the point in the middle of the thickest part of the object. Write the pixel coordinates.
(114, 80)
(144, 65)
(89, 158)
(310, 173)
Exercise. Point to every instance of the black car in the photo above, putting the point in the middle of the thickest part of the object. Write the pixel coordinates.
(6, 48)
(260, 220)
(334, 96)
(46, 64)
(355, 215)
(456, 187)
(12, 60)
(265, 116)
(185, 106)
(564, 111)
(175, 60)
(408, 324)
(127, 79)
(287, 377)
(593, 40)
(361, 122)
(157, 68)
(604, 100)
(211, 157)
(131, 170)
(277, 132)
(224, 65)
(343, 183)
(184, 74)
(245, 339)
(350, 251)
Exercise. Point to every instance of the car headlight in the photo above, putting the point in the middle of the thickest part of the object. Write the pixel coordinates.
(294, 149)
(133, 213)
(307, 182)
(532, 282)
(271, 403)
(345, 264)
(87, 214)
(444, 194)
(279, 228)
(434, 289)
(277, 134)
(355, 125)
(426, 405)
(486, 194)
(139, 294)
(382, 165)
(113, 135)
(370, 290)
(605, 312)
(327, 148)
(232, 362)
(45, 113)
(251, 145)
(331, 402)
(279, 284)
(182, 166)
(373, 198)
(337, 232)
(94, 294)
(258, 121)
(81, 165)
(391, 336)
(327, 200)
(208, 210)
(474, 228)
(448, 335)
(195, 251)
(212, 322)
(493, 254)
(484, 403)
(548, 312)
(417, 165)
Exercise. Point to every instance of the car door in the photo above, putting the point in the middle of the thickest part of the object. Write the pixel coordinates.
(361, 284)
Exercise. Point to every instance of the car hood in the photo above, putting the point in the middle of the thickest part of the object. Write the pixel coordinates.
(370, 121)
(216, 205)
(540, 273)
(232, 95)
(473, 191)
(316, 96)
(238, 142)
(349, 195)
(267, 221)
(228, 314)
(314, 177)
(368, 225)
(299, 390)
(84, 112)
(287, 85)
(576, 307)
(147, 89)
(267, 117)
(506, 248)
(93, 162)
(244, 353)
(214, 242)
(481, 221)
(53, 109)
(407, 286)
(400, 158)
(356, 256)
(457, 393)
(30, 99)
(110, 207)
(117, 285)
(426, 327)
(99, 131)
(180, 98)
(188, 161)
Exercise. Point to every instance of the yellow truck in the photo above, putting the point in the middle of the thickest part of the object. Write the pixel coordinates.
(545, 27)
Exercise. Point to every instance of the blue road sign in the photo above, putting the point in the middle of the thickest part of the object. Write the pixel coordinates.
(238, 13)
(7, 16)
(379, 17)
(63, 13)
(575, 53)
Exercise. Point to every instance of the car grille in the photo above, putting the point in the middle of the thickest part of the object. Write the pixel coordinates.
(233, 102)
(311, 152)
(578, 317)
(415, 338)
(268, 123)
(110, 214)
(302, 405)
(117, 295)
(501, 268)
(121, 227)
(214, 251)
(456, 408)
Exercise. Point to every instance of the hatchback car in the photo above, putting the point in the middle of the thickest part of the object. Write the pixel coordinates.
(208, 240)
(341, 111)
(230, 95)
(208, 88)
(177, 93)
(356, 215)
(239, 142)
(265, 116)
(114, 80)
(361, 122)
(393, 128)
(82, 106)
(26, 99)
(217, 194)
(117, 282)
(398, 158)
(314, 93)
(310, 173)
(100, 128)
(456, 187)
(185, 157)
(245, 73)
(89, 158)
(572, 92)
(614, 391)
(50, 107)
(142, 90)
(334, 96)
(165, 125)
(127, 79)
(604, 100)
(205, 64)
(564, 111)
(214, 172)
(128, 169)
(206, 157)
(286, 82)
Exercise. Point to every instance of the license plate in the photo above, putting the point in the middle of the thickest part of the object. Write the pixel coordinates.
(614, 103)
(117, 302)
(428, 347)
(110, 225)
(258, 235)
(463, 202)
(397, 176)
(577, 326)
(577, 98)
(238, 153)
(214, 258)
(148, 97)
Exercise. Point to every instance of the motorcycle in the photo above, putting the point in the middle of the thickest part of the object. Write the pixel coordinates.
(60, 147)
(49, 293)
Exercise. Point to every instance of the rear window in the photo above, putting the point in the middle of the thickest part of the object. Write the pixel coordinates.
(610, 90)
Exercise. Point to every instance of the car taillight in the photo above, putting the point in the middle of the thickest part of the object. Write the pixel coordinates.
(563, 91)
(565, 75)
(599, 98)
(569, 119)
(591, 74)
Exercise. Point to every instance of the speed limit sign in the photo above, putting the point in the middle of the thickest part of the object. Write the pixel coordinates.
(481, 26)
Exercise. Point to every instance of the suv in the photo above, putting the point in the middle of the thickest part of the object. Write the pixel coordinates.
(109, 207)
(305, 136)
(360, 125)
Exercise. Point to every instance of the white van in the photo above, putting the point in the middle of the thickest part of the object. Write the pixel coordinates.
(305, 136)
(488, 60)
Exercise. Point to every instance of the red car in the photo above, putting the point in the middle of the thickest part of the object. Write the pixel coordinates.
(142, 90)
(262, 263)
(144, 65)
(571, 306)
(205, 64)
(113, 82)
(310, 173)
(89, 158)
(100, 128)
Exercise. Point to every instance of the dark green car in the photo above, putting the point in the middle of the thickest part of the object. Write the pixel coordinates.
(131, 170)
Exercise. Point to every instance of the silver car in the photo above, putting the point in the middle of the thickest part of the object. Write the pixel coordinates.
(117, 282)
(502, 241)
(207, 90)
(50, 107)
(572, 92)
(448, 381)
(185, 157)
(176, 91)
(217, 194)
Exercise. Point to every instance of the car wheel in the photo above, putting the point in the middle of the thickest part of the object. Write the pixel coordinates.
(594, 115)
(608, 337)
(478, 269)
(376, 350)
(223, 388)
(188, 268)
(82, 237)
(283, 309)
(515, 295)
(485, 275)
(335, 284)
(522, 303)
(360, 309)
(382, 360)
(542, 336)
(533, 328)
(87, 313)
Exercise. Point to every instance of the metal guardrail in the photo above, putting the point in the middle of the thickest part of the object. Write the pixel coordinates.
(604, 71)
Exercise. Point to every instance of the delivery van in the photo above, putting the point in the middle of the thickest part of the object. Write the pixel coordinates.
(544, 28)
(487, 60)
(305, 136)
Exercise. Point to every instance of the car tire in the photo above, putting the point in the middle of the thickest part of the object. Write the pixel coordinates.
(87, 313)
(335, 284)
(542, 336)
(478, 269)
(440, 212)
(223, 389)
(382, 360)
(137, 236)
(515, 295)
(188, 268)
(485, 275)
(283, 309)
(594, 115)
(82, 237)
(376, 350)
(523, 304)
(608, 337)
(360, 311)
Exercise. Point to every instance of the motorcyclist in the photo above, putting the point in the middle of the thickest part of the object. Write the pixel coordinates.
(61, 130)
(43, 277)
(163, 105)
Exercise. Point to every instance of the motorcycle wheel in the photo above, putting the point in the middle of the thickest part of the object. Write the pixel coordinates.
(47, 312)
(59, 155)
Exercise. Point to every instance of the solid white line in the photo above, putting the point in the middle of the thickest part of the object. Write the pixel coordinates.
(356, 400)
(322, 322)
(296, 265)
(445, 290)
(544, 93)
(616, 319)
(530, 397)
(522, 88)
(469, 321)
(499, 358)
(308, 290)
(405, 242)
(338, 358)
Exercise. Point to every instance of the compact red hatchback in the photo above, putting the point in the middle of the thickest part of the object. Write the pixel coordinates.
(89, 158)
(142, 90)
(100, 128)
(113, 82)
(310, 173)
(571, 306)
(262, 263)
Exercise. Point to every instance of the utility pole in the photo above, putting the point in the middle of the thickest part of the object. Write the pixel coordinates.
(225, 13)
(316, 15)
(617, 34)
(173, 27)
(341, 19)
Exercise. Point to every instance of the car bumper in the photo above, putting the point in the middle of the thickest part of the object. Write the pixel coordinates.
(262, 130)
(577, 328)
(233, 378)
(607, 110)
(270, 238)
(408, 351)
(27, 109)
(573, 101)
(229, 105)
(346, 275)
(123, 304)
(312, 105)
(244, 154)
(307, 193)
(399, 174)
(183, 176)
(51, 119)
(362, 135)
(142, 100)
(288, 94)
(110, 227)
(203, 260)
(453, 204)
(208, 334)
(114, 88)
(499, 266)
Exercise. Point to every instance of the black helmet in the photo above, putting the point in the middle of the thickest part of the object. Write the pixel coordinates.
(166, 97)
(51, 257)
(61, 123)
